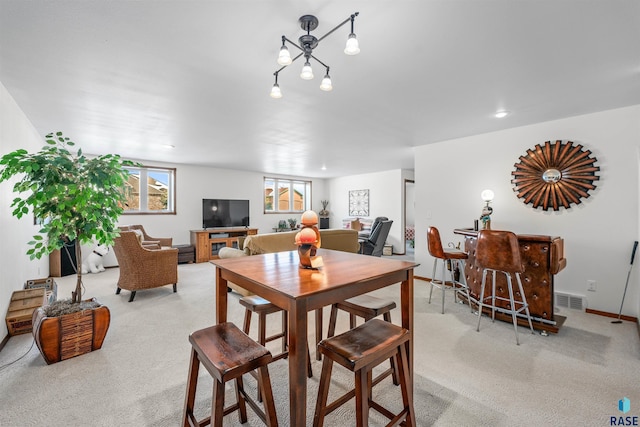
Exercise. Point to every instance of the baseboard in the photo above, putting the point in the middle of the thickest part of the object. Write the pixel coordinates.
(607, 314)
(4, 341)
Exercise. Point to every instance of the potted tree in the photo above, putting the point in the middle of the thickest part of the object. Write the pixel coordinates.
(74, 198)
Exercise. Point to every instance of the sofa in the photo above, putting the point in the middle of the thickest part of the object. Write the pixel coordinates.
(336, 239)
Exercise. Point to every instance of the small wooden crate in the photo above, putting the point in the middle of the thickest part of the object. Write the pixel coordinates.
(48, 284)
(21, 308)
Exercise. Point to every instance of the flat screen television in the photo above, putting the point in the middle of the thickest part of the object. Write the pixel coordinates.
(225, 213)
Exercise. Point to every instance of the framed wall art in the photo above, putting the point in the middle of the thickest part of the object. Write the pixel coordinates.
(359, 203)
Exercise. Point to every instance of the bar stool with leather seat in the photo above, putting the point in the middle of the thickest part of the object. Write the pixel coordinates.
(263, 307)
(360, 350)
(499, 252)
(228, 353)
(368, 307)
(447, 258)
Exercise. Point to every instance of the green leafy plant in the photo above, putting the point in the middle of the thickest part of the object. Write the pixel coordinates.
(73, 197)
(292, 223)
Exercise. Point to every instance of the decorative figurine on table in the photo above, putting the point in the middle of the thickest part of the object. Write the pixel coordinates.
(485, 217)
(308, 241)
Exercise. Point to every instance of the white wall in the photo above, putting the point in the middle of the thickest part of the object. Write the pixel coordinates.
(15, 132)
(194, 183)
(386, 198)
(598, 234)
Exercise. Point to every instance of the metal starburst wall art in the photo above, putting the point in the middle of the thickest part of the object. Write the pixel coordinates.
(554, 176)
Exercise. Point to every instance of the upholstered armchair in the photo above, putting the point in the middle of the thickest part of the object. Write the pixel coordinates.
(142, 268)
(147, 240)
(374, 245)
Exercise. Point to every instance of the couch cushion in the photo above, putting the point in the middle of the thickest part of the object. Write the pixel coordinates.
(337, 239)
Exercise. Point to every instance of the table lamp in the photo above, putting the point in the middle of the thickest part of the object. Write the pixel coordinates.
(485, 217)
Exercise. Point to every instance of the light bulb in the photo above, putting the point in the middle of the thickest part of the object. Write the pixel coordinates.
(275, 91)
(352, 47)
(326, 83)
(307, 72)
(502, 113)
(284, 57)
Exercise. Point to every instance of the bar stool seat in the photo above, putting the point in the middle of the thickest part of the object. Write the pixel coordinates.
(263, 307)
(227, 353)
(499, 252)
(360, 350)
(367, 307)
(448, 259)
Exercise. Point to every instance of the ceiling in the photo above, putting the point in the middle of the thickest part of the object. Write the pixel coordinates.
(130, 77)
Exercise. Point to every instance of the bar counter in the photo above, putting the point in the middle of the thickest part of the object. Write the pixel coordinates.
(543, 257)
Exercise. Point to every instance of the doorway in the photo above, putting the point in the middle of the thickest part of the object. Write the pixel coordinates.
(409, 237)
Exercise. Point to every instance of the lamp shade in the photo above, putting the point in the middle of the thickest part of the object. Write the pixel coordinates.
(487, 195)
(326, 83)
(307, 72)
(352, 47)
(275, 91)
(284, 57)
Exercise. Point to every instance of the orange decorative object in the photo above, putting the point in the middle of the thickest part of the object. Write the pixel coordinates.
(309, 218)
(308, 241)
(308, 235)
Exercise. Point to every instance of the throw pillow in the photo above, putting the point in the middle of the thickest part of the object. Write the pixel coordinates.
(355, 225)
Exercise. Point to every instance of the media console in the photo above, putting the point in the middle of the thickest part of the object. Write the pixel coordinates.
(209, 241)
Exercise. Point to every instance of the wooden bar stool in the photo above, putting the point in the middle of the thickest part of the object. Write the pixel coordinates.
(447, 258)
(499, 252)
(360, 350)
(368, 307)
(227, 353)
(263, 307)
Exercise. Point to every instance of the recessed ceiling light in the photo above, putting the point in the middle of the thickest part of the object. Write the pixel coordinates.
(168, 146)
(324, 168)
(502, 113)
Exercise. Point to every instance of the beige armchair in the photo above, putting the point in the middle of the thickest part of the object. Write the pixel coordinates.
(142, 268)
(146, 239)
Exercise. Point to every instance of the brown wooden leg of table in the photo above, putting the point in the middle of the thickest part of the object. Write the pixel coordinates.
(318, 331)
(298, 363)
(221, 297)
(406, 302)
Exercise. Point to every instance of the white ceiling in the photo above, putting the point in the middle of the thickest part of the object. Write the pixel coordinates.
(129, 76)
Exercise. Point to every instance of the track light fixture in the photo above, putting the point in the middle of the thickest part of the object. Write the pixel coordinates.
(306, 44)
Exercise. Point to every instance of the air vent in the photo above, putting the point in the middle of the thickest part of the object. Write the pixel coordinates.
(574, 302)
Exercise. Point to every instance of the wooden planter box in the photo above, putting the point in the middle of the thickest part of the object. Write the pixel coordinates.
(21, 308)
(50, 286)
(71, 335)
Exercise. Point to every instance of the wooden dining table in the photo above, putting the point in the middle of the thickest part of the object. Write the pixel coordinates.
(279, 278)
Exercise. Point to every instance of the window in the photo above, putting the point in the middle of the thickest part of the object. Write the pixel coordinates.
(286, 195)
(150, 190)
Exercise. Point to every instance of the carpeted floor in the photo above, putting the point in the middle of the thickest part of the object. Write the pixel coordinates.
(462, 377)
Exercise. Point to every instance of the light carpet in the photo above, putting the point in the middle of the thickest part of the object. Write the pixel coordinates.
(462, 377)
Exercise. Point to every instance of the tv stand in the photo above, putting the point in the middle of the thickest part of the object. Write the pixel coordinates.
(210, 240)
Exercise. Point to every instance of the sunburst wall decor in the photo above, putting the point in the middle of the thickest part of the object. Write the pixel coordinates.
(555, 176)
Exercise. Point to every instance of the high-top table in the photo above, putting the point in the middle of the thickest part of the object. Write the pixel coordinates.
(279, 278)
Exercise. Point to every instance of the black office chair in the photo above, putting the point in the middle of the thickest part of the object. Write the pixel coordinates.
(374, 245)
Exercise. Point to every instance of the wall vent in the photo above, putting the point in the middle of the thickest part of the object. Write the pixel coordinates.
(574, 302)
